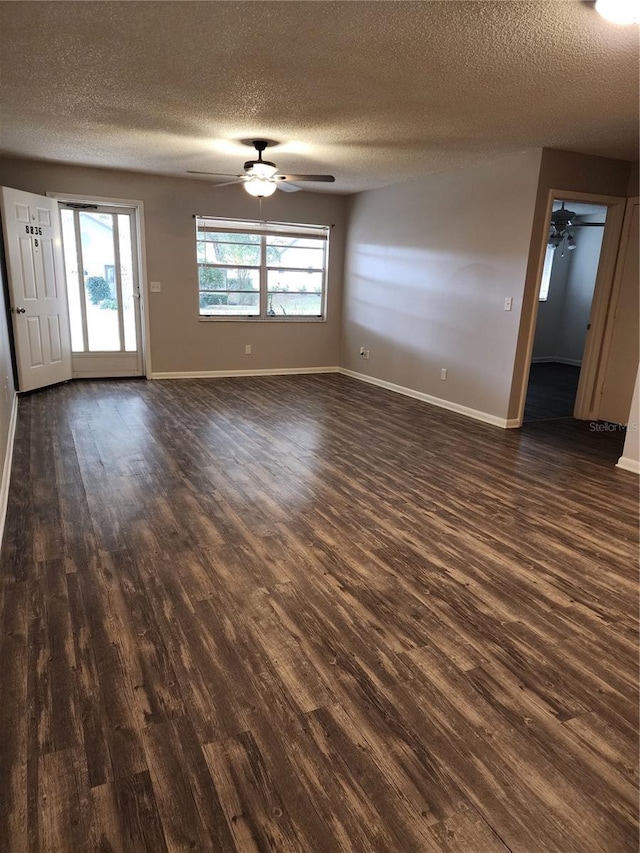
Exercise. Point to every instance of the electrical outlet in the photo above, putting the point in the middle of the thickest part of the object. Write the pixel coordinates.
(155, 286)
(443, 374)
(247, 349)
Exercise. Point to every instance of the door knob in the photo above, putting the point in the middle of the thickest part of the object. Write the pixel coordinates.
(21, 310)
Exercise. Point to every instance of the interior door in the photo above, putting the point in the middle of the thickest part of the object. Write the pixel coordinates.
(35, 268)
(623, 333)
(100, 252)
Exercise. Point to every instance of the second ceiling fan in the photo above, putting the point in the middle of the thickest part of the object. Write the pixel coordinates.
(261, 177)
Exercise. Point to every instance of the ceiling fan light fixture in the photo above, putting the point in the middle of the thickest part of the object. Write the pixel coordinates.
(619, 11)
(261, 178)
(260, 187)
(262, 169)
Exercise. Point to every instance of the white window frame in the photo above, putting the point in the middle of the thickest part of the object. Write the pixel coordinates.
(264, 230)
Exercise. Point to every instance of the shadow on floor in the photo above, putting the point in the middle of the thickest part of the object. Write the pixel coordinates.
(551, 392)
(597, 441)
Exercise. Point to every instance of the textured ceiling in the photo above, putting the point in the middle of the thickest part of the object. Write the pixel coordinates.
(373, 92)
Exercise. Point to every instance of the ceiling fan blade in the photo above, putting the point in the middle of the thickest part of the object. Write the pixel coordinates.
(286, 187)
(325, 179)
(217, 174)
(229, 183)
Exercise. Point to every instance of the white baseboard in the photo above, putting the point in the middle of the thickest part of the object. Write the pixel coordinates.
(550, 359)
(390, 386)
(6, 471)
(628, 464)
(219, 374)
(477, 415)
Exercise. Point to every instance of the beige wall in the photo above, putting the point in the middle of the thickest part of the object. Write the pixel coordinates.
(631, 453)
(634, 181)
(429, 265)
(560, 170)
(179, 341)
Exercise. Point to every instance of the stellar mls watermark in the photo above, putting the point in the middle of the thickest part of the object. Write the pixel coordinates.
(605, 426)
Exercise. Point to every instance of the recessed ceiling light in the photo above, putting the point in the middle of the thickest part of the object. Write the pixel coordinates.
(619, 11)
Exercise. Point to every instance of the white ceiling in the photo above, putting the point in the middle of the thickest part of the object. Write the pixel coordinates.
(581, 209)
(373, 92)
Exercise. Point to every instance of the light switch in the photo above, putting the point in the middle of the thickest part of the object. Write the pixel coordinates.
(155, 286)
(508, 303)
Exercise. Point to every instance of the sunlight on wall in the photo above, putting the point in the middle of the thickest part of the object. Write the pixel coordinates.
(429, 266)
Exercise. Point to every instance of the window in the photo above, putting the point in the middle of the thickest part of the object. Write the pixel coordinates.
(546, 274)
(261, 270)
(110, 276)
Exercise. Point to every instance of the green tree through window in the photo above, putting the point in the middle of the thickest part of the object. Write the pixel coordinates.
(260, 275)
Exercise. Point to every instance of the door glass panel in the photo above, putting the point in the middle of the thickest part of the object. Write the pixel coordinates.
(70, 251)
(127, 283)
(101, 295)
(100, 251)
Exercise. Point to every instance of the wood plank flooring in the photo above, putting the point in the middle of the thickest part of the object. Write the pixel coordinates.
(551, 392)
(305, 614)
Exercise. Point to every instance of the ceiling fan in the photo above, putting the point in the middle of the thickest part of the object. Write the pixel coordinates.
(261, 177)
(559, 234)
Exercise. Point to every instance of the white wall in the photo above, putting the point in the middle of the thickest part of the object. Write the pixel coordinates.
(428, 267)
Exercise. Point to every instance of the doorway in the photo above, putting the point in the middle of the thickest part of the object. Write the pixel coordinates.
(565, 298)
(100, 248)
(603, 305)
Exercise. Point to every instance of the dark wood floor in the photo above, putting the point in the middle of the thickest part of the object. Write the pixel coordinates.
(551, 392)
(304, 614)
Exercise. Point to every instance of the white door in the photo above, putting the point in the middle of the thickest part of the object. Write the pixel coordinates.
(35, 268)
(100, 253)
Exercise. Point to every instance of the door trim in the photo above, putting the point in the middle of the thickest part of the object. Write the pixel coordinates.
(600, 305)
(607, 336)
(138, 206)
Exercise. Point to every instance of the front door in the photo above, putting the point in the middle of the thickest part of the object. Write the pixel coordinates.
(100, 253)
(37, 288)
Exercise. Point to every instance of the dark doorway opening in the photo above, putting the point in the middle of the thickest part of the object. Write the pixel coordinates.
(551, 392)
